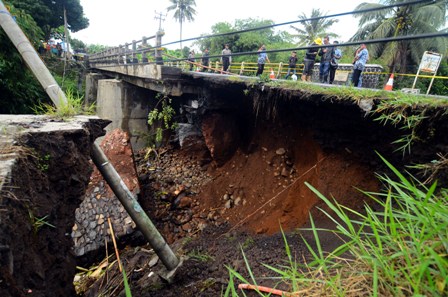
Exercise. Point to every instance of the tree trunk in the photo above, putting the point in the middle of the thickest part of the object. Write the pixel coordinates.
(181, 35)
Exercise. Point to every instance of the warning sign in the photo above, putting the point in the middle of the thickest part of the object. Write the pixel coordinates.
(430, 62)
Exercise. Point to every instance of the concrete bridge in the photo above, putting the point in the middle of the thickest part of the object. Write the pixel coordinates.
(124, 82)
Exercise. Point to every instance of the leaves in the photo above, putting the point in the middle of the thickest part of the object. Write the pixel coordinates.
(162, 118)
(427, 17)
(313, 28)
(49, 14)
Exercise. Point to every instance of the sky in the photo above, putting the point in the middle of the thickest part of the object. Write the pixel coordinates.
(115, 22)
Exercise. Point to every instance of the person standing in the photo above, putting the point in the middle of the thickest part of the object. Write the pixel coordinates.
(310, 58)
(226, 58)
(191, 57)
(359, 63)
(334, 61)
(205, 60)
(262, 58)
(327, 54)
(292, 64)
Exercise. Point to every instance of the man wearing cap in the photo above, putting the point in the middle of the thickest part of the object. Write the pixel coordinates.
(310, 58)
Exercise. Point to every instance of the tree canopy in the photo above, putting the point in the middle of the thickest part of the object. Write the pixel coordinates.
(49, 14)
(427, 17)
(183, 10)
(313, 28)
(247, 41)
(19, 90)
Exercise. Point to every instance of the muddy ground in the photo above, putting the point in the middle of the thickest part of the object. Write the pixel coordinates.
(213, 211)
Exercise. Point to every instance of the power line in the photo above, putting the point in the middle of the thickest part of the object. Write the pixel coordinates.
(346, 44)
(303, 20)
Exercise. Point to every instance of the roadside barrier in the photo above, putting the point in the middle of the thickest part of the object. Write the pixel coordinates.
(390, 83)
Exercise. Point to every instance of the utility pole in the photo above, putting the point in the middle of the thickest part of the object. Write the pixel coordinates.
(161, 17)
(67, 39)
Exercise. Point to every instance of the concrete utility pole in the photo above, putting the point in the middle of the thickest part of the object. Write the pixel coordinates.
(31, 57)
(161, 17)
(134, 209)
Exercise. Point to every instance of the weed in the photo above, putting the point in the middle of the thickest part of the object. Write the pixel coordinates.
(248, 243)
(200, 256)
(432, 168)
(74, 106)
(38, 223)
(43, 163)
(204, 285)
(163, 116)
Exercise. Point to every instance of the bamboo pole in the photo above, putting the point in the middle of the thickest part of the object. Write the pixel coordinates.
(31, 57)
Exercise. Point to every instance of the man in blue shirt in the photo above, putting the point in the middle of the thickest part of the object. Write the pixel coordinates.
(262, 58)
(334, 61)
(361, 57)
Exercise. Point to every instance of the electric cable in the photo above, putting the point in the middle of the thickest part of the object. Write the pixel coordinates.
(301, 21)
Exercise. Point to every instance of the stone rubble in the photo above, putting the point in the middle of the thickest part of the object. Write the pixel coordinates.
(173, 179)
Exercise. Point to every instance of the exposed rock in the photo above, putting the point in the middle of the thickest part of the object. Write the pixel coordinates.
(221, 135)
(281, 151)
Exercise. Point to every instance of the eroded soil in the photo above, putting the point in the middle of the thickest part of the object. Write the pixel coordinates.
(213, 213)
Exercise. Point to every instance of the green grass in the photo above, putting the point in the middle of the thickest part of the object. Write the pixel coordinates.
(399, 250)
(38, 223)
(350, 93)
(200, 256)
(74, 106)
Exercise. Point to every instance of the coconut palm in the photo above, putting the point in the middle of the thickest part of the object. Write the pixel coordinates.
(313, 28)
(183, 11)
(425, 17)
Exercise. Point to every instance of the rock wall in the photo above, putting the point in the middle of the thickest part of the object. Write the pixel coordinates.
(45, 171)
(370, 76)
(91, 226)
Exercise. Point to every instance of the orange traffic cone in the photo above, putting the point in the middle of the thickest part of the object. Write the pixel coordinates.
(390, 83)
(272, 75)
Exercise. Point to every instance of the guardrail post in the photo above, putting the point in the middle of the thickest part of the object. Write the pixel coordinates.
(158, 53)
(119, 58)
(217, 66)
(242, 68)
(134, 48)
(144, 53)
(279, 71)
(128, 59)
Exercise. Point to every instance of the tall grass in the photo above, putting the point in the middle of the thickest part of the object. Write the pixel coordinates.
(399, 250)
(74, 106)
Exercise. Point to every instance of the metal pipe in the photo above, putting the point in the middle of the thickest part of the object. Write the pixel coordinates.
(134, 209)
(31, 57)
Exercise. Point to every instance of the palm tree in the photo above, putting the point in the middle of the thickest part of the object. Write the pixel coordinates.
(183, 11)
(313, 28)
(427, 17)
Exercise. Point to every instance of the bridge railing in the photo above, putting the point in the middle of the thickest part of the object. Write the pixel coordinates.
(138, 51)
